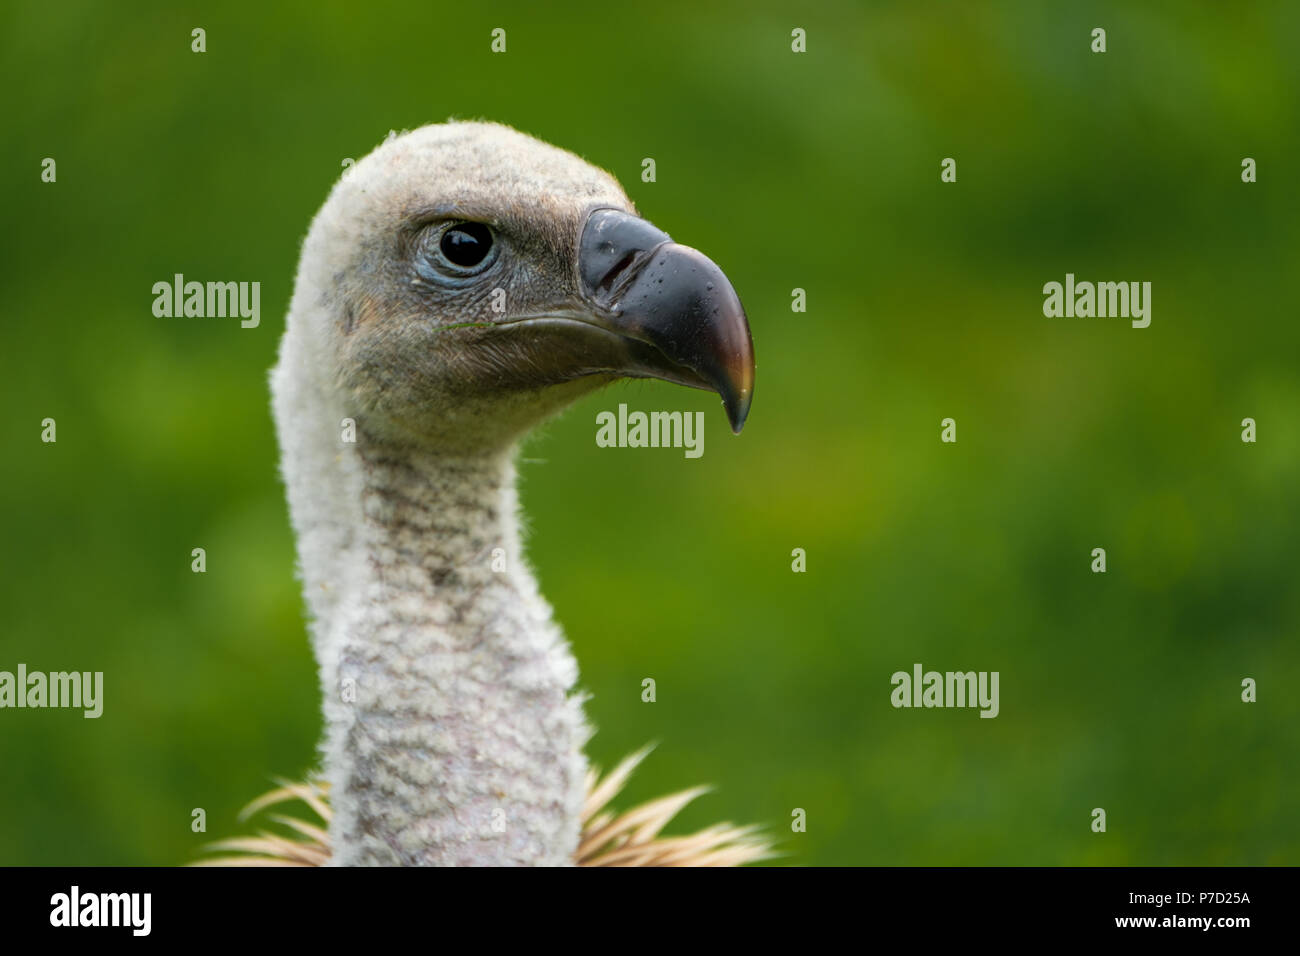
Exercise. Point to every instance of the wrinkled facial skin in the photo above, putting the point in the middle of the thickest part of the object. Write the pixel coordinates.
(449, 332)
(432, 346)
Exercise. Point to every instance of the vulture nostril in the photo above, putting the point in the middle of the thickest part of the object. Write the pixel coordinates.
(612, 275)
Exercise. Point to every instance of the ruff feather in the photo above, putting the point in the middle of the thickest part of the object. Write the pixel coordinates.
(609, 838)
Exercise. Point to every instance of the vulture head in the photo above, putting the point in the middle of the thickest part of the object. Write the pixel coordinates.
(474, 280)
(460, 284)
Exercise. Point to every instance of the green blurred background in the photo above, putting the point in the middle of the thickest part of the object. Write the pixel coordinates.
(818, 171)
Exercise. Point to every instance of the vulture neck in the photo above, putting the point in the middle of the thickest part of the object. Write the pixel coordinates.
(452, 737)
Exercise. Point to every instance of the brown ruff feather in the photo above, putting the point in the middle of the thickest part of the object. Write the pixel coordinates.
(609, 838)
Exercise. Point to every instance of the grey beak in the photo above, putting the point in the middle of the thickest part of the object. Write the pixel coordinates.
(647, 288)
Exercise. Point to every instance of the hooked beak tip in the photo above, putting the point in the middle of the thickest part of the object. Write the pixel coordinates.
(736, 400)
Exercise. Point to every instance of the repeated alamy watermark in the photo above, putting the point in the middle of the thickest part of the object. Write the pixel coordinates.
(76, 908)
(951, 689)
(213, 300)
(626, 429)
(74, 689)
(1084, 300)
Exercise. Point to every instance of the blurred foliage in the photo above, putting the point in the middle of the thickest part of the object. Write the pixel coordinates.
(818, 171)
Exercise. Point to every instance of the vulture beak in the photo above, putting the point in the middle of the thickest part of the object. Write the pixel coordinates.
(680, 317)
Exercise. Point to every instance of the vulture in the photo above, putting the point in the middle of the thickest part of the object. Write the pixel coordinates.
(463, 283)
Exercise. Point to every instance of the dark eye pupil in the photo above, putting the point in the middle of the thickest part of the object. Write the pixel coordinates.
(467, 244)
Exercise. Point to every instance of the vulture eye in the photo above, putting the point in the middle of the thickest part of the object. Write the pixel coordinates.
(454, 254)
(466, 244)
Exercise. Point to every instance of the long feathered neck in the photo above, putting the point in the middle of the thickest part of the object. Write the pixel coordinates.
(452, 735)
